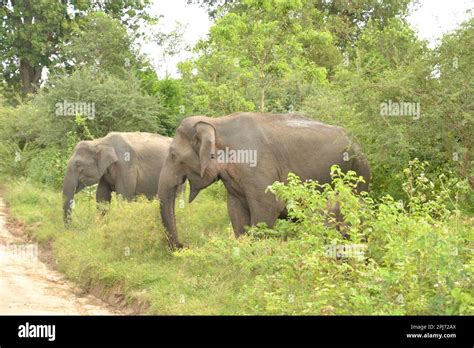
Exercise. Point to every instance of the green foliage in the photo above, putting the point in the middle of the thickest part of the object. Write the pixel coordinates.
(20, 126)
(344, 19)
(403, 72)
(33, 32)
(380, 50)
(119, 105)
(309, 203)
(101, 43)
(47, 166)
(417, 258)
(256, 57)
(43, 133)
(12, 162)
(452, 112)
(171, 94)
(410, 260)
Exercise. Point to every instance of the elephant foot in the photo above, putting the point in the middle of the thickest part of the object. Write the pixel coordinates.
(67, 222)
(179, 245)
(176, 246)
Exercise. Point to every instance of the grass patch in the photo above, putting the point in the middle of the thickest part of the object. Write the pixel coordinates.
(414, 265)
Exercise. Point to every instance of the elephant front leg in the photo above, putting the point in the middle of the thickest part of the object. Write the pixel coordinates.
(103, 196)
(239, 214)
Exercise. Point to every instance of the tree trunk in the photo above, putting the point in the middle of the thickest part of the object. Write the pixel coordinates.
(29, 76)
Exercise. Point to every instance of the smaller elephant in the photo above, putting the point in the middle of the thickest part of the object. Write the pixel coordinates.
(127, 163)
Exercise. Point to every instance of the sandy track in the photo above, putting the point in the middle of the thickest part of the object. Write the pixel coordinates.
(29, 287)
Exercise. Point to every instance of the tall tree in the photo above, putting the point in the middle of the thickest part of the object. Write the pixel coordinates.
(263, 49)
(345, 19)
(453, 105)
(102, 43)
(33, 30)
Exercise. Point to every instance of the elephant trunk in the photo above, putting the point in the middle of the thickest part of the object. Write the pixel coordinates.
(167, 195)
(69, 188)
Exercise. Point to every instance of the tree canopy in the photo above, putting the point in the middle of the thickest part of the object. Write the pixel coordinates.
(32, 32)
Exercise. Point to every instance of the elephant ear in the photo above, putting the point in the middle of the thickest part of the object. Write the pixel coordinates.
(206, 137)
(105, 156)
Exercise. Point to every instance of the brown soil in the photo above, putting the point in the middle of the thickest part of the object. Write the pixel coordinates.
(29, 285)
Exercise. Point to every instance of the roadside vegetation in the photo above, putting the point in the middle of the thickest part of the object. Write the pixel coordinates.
(397, 257)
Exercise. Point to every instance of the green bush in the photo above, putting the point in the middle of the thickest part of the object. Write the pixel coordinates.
(417, 258)
(400, 257)
(48, 167)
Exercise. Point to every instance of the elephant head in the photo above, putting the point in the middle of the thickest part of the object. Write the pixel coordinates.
(87, 165)
(190, 157)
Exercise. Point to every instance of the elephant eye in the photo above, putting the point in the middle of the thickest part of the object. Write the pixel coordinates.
(79, 166)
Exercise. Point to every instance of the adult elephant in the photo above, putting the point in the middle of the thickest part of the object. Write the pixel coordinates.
(127, 163)
(205, 150)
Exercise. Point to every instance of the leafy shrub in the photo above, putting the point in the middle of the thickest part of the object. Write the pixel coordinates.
(43, 140)
(48, 165)
(399, 257)
(414, 256)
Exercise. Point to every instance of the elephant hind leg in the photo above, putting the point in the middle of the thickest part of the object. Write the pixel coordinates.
(267, 211)
(335, 219)
(284, 214)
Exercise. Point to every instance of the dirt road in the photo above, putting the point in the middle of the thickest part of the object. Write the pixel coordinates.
(29, 287)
